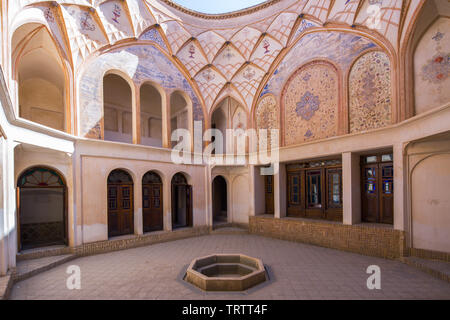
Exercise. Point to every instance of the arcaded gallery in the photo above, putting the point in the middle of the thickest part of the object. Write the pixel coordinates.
(199, 148)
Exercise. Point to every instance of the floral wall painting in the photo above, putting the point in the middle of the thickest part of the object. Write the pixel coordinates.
(370, 92)
(310, 101)
(432, 67)
(339, 47)
(267, 116)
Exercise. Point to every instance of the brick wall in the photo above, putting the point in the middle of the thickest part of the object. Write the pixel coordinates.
(370, 240)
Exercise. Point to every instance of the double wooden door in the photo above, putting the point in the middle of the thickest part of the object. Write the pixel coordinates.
(378, 193)
(120, 209)
(152, 208)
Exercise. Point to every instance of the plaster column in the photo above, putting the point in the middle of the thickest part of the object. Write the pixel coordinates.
(167, 204)
(230, 200)
(3, 220)
(9, 189)
(138, 223)
(252, 211)
(399, 188)
(166, 122)
(208, 197)
(351, 188)
(136, 108)
(279, 190)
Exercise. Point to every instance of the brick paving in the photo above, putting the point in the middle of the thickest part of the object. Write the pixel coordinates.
(297, 271)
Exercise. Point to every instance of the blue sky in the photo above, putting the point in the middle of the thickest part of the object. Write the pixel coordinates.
(217, 6)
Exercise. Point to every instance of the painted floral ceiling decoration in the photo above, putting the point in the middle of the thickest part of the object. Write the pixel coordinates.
(232, 52)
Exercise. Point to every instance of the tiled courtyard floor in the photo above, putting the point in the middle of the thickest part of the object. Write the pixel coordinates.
(298, 271)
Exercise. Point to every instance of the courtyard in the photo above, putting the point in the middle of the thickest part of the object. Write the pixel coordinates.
(296, 271)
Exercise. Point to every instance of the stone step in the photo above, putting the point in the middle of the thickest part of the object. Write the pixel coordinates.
(43, 252)
(31, 267)
(436, 268)
(229, 230)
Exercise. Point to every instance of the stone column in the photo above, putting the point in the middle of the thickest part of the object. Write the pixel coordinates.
(351, 189)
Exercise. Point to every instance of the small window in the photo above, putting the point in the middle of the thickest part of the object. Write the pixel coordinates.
(314, 191)
(334, 188)
(371, 159)
(386, 158)
(295, 190)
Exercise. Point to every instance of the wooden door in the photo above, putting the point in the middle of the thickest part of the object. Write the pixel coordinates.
(378, 193)
(120, 209)
(314, 193)
(386, 193)
(152, 208)
(370, 200)
(269, 195)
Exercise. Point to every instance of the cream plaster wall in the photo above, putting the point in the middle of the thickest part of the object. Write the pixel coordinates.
(431, 203)
(94, 172)
(241, 201)
(42, 102)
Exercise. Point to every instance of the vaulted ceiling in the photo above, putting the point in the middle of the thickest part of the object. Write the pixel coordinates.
(234, 50)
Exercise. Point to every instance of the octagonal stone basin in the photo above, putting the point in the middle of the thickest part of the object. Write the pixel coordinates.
(226, 272)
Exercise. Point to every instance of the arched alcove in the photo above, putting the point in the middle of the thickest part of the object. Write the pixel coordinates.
(117, 109)
(179, 113)
(228, 114)
(39, 71)
(151, 115)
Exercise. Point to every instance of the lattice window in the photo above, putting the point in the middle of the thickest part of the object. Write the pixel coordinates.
(40, 177)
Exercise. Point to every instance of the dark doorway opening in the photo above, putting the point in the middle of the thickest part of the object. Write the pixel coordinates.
(181, 202)
(219, 200)
(41, 204)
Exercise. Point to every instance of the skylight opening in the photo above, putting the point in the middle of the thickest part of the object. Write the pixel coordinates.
(217, 7)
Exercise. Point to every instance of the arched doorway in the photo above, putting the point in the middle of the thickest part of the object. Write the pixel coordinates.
(152, 208)
(219, 200)
(120, 203)
(181, 202)
(41, 205)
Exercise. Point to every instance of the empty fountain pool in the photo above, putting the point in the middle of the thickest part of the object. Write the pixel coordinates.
(226, 272)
